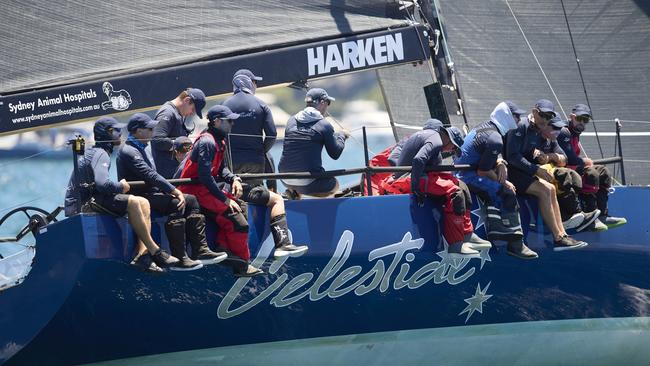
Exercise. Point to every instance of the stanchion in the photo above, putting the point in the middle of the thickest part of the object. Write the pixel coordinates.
(365, 152)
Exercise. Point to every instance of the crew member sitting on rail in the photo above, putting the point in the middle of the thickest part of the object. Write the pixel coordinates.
(423, 150)
(482, 148)
(184, 218)
(182, 147)
(174, 122)
(524, 173)
(93, 183)
(205, 162)
(249, 149)
(305, 135)
(596, 179)
(567, 181)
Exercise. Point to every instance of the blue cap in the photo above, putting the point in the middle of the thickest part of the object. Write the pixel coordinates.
(432, 124)
(180, 141)
(317, 95)
(455, 135)
(103, 124)
(581, 110)
(140, 120)
(198, 97)
(545, 105)
(557, 123)
(221, 112)
(514, 109)
(248, 73)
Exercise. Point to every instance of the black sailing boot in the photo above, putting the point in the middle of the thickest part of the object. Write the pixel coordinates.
(195, 230)
(175, 230)
(503, 228)
(283, 247)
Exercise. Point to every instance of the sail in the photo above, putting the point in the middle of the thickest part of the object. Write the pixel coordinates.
(522, 50)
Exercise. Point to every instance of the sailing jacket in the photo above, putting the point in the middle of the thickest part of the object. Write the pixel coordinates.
(170, 126)
(521, 144)
(93, 177)
(133, 163)
(305, 135)
(422, 150)
(569, 141)
(254, 117)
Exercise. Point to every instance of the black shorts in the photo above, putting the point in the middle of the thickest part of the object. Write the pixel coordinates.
(257, 195)
(321, 185)
(116, 204)
(520, 179)
(166, 204)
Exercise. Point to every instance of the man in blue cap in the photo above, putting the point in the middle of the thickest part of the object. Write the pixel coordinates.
(206, 164)
(424, 150)
(306, 134)
(529, 177)
(184, 218)
(174, 120)
(92, 182)
(596, 179)
(482, 148)
(251, 138)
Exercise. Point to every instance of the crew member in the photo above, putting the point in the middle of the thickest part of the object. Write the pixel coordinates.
(306, 134)
(93, 183)
(482, 148)
(184, 218)
(205, 162)
(596, 179)
(174, 120)
(423, 150)
(525, 174)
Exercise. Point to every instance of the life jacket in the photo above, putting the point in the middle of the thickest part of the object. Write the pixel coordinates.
(379, 160)
(191, 168)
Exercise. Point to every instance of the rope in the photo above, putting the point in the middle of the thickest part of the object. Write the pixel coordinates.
(530, 47)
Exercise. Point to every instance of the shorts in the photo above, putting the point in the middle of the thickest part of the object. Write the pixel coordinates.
(520, 179)
(320, 185)
(166, 204)
(254, 190)
(116, 204)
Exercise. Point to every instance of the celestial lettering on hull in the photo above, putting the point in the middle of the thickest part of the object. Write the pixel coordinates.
(391, 269)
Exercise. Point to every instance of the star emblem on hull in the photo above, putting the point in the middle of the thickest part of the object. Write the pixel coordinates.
(475, 303)
(481, 214)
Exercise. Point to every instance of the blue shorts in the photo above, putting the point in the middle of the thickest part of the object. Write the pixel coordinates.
(483, 184)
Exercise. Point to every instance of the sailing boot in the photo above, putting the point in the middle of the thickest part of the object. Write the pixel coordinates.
(476, 242)
(175, 230)
(284, 247)
(517, 248)
(462, 250)
(503, 228)
(195, 230)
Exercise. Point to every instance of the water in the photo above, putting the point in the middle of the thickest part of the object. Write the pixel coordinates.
(42, 182)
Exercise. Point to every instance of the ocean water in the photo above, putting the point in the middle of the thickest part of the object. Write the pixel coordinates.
(42, 182)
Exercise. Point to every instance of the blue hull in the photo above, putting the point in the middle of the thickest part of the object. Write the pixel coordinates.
(376, 265)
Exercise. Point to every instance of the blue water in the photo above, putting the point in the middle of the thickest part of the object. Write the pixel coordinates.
(42, 182)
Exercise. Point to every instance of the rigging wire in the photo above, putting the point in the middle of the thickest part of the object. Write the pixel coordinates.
(582, 79)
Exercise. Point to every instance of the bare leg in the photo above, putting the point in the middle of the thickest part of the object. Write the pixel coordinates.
(276, 203)
(141, 224)
(556, 208)
(543, 194)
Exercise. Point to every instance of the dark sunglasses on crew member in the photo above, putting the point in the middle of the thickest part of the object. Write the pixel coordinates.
(546, 115)
(583, 119)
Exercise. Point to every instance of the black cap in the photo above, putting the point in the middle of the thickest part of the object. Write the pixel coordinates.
(317, 95)
(455, 136)
(198, 97)
(514, 109)
(545, 105)
(104, 123)
(221, 112)
(581, 110)
(557, 123)
(180, 141)
(248, 73)
(140, 120)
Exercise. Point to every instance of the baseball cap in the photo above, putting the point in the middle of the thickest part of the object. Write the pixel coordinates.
(455, 136)
(198, 97)
(581, 110)
(221, 112)
(180, 141)
(248, 73)
(104, 123)
(545, 105)
(140, 120)
(557, 123)
(317, 94)
(514, 109)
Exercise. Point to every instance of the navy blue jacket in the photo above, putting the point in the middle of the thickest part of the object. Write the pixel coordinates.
(254, 117)
(521, 143)
(306, 134)
(133, 163)
(573, 158)
(482, 147)
(422, 150)
(170, 126)
(93, 178)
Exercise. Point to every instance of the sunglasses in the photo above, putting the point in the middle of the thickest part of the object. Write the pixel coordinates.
(583, 119)
(547, 115)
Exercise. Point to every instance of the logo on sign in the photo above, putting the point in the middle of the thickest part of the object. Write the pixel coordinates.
(119, 100)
